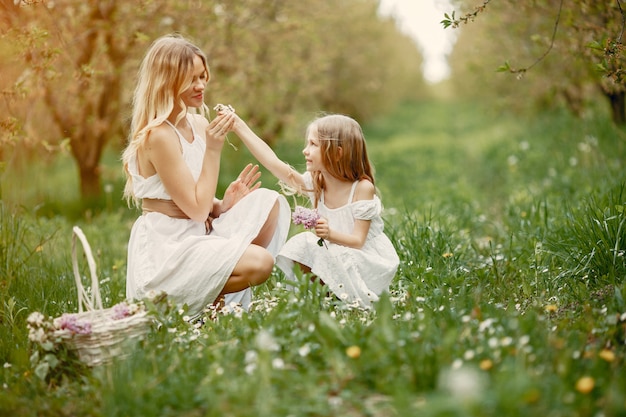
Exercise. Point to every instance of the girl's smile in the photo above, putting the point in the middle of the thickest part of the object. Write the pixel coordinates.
(312, 154)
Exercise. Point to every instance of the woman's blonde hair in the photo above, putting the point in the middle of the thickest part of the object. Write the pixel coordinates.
(343, 151)
(165, 73)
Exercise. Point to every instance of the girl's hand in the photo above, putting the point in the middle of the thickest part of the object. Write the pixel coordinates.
(218, 128)
(246, 182)
(321, 229)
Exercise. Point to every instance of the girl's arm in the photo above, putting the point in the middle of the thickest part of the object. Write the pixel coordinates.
(266, 156)
(162, 147)
(355, 240)
(365, 190)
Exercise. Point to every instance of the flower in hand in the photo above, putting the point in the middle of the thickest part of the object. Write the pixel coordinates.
(307, 218)
(224, 108)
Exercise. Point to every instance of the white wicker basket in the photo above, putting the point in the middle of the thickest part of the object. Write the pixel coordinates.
(109, 336)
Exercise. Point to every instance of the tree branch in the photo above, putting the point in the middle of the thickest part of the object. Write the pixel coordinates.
(452, 21)
(520, 72)
(621, 33)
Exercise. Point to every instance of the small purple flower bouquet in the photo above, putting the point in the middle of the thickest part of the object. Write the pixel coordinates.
(308, 218)
(72, 324)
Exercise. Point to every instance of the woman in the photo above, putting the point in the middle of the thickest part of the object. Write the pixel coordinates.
(195, 247)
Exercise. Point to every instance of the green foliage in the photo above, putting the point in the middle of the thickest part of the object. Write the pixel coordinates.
(69, 89)
(594, 246)
(509, 299)
(533, 42)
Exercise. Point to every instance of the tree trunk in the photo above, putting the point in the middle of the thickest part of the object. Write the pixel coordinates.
(8, 11)
(89, 180)
(618, 107)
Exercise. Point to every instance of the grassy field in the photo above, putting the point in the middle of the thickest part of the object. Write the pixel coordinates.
(509, 300)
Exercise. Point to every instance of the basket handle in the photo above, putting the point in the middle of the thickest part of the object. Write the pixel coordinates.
(83, 299)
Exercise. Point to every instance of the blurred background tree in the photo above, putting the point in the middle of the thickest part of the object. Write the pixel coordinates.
(562, 53)
(68, 68)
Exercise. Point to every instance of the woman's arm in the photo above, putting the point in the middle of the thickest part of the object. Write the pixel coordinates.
(266, 156)
(162, 147)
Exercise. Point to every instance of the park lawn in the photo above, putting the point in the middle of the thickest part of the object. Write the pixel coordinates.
(509, 299)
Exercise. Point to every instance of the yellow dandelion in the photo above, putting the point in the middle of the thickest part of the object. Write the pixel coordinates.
(448, 255)
(353, 352)
(585, 385)
(551, 308)
(607, 355)
(486, 364)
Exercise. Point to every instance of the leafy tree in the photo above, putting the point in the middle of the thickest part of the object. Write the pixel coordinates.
(275, 61)
(73, 59)
(565, 47)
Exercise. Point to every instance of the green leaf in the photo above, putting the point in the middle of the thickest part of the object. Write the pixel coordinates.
(504, 67)
(329, 330)
(52, 360)
(596, 45)
(42, 370)
(47, 346)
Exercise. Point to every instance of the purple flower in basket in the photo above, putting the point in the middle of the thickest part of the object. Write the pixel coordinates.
(123, 310)
(71, 323)
(120, 311)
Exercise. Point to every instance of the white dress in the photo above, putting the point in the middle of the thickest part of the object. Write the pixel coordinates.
(178, 256)
(353, 275)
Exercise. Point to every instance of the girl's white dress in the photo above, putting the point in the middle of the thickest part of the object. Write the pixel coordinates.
(353, 275)
(179, 257)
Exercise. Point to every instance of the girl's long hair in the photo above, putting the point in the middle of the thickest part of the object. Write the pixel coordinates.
(165, 73)
(350, 163)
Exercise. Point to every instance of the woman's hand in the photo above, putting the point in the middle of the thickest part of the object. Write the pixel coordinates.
(246, 182)
(218, 128)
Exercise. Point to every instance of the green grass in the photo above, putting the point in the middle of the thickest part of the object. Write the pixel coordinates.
(511, 234)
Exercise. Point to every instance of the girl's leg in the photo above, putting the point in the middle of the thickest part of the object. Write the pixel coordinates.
(267, 231)
(307, 270)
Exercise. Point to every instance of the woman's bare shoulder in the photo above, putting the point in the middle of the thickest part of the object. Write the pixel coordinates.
(160, 135)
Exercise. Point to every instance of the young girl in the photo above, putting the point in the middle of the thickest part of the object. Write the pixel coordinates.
(357, 260)
(188, 243)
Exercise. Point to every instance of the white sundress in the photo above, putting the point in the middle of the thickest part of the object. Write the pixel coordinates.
(353, 275)
(178, 256)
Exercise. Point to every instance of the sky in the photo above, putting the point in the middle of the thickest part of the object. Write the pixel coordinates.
(420, 19)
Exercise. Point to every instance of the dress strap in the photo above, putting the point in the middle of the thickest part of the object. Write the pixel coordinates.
(181, 138)
(354, 184)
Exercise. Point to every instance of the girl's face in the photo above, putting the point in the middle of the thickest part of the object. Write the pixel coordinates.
(312, 153)
(194, 95)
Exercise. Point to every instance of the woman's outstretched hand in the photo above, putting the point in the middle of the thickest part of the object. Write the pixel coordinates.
(246, 182)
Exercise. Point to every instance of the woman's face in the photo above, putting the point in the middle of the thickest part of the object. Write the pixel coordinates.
(313, 153)
(194, 95)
